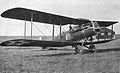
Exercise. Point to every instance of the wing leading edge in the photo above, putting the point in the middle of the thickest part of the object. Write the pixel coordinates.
(43, 17)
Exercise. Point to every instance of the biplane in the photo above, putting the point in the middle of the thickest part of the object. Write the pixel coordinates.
(85, 33)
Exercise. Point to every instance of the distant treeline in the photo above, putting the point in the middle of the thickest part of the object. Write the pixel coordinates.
(3, 38)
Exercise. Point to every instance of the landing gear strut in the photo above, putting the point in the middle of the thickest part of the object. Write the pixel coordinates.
(76, 49)
(92, 47)
(79, 49)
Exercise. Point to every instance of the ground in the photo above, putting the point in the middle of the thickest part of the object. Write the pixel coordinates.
(34, 60)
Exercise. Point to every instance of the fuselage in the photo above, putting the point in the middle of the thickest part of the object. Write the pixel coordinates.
(78, 33)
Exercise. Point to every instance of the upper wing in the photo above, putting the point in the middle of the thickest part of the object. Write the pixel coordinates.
(43, 17)
(106, 23)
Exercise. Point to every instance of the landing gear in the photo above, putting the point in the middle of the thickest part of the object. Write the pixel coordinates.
(79, 49)
(76, 50)
(43, 47)
(92, 48)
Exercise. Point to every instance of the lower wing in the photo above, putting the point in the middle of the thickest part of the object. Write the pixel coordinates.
(41, 43)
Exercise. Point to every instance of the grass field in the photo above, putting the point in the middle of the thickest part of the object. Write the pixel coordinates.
(33, 60)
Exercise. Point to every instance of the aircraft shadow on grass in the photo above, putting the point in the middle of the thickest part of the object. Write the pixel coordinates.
(85, 52)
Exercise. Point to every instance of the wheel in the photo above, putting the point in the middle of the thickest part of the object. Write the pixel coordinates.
(78, 49)
(92, 48)
(43, 47)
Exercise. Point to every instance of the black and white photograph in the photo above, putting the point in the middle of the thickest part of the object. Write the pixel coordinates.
(59, 36)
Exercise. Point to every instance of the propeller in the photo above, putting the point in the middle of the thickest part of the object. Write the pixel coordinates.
(96, 27)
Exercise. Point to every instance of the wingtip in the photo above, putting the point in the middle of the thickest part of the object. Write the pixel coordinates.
(3, 13)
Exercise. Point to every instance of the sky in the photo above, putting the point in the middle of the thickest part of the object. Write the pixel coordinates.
(88, 9)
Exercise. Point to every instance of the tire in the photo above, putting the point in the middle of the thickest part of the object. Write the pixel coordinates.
(92, 48)
(78, 49)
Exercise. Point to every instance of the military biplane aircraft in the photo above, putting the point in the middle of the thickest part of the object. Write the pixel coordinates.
(83, 34)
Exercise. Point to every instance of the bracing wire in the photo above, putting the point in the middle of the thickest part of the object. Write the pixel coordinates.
(39, 29)
(63, 30)
(48, 28)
